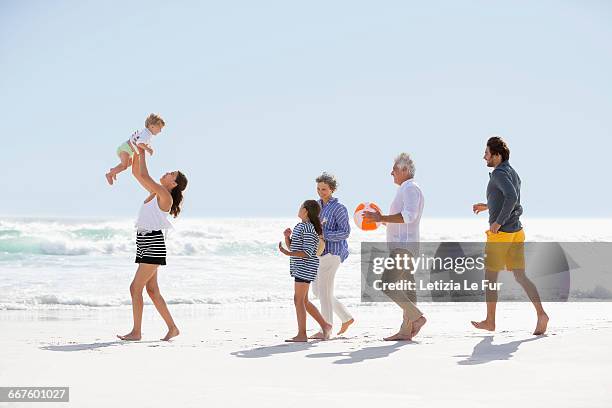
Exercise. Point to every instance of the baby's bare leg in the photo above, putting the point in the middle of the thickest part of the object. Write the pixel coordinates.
(126, 162)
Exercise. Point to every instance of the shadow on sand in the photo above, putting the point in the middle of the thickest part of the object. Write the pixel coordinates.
(485, 351)
(268, 351)
(366, 353)
(91, 346)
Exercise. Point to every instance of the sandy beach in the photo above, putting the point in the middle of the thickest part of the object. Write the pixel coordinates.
(228, 355)
(233, 161)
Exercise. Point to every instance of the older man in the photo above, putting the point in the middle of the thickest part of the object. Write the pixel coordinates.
(403, 238)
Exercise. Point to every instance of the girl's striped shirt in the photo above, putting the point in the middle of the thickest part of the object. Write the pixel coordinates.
(304, 238)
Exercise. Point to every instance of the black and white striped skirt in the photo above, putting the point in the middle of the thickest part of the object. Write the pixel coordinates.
(150, 248)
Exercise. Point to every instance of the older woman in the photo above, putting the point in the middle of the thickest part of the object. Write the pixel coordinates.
(336, 230)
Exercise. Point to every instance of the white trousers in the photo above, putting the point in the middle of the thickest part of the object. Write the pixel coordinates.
(323, 288)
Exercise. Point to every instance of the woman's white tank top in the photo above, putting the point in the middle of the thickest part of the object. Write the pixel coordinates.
(151, 217)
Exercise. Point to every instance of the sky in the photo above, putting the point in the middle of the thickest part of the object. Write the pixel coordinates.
(260, 97)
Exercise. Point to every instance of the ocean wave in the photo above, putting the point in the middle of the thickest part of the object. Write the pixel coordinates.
(76, 239)
(77, 301)
(177, 245)
(598, 292)
(59, 246)
(50, 301)
(230, 237)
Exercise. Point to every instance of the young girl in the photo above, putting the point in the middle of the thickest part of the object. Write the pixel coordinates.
(142, 138)
(303, 244)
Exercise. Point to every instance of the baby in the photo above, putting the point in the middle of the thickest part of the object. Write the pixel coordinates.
(153, 125)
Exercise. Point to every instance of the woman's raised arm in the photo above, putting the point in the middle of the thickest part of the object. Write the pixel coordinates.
(163, 196)
(136, 169)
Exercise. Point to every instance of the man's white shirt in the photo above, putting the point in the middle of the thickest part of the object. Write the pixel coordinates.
(409, 202)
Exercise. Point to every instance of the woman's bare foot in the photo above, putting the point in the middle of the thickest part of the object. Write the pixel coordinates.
(399, 336)
(109, 178)
(327, 329)
(172, 332)
(416, 326)
(297, 339)
(317, 336)
(131, 336)
(345, 326)
(541, 325)
(484, 325)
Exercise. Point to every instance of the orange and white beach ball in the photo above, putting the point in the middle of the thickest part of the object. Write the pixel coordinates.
(358, 216)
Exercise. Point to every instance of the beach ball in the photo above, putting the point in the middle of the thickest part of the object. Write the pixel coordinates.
(358, 216)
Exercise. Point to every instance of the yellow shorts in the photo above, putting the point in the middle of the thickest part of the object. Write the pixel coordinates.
(505, 250)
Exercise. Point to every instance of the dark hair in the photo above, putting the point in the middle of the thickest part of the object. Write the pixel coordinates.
(497, 145)
(314, 209)
(177, 194)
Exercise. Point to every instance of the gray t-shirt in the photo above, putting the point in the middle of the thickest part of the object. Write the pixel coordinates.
(504, 198)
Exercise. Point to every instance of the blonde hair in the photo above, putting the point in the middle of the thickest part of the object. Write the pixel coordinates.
(154, 119)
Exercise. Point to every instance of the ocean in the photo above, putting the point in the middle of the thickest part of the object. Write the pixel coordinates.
(55, 263)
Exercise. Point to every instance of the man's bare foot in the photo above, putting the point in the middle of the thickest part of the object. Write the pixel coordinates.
(109, 178)
(345, 326)
(173, 332)
(484, 325)
(297, 339)
(317, 336)
(417, 324)
(541, 325)
(131, 336)
(399, 336)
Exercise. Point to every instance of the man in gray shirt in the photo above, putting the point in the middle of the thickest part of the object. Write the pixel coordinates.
(505, 237)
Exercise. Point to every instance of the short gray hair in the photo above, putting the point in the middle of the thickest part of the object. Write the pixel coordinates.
(328, 179)
(404, 161)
